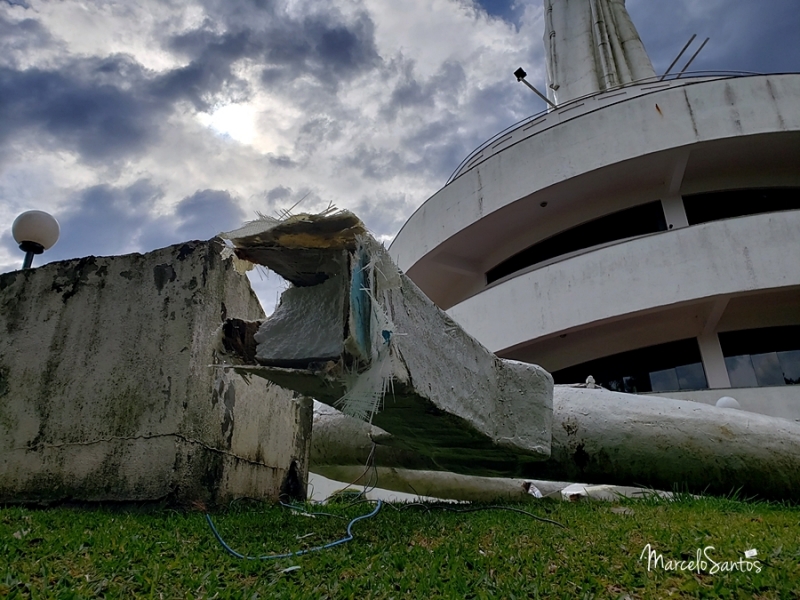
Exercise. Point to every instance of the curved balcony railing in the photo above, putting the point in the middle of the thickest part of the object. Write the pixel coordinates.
(537, 122)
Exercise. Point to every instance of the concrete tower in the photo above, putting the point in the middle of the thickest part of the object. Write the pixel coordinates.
(592, 46)
(645, 232)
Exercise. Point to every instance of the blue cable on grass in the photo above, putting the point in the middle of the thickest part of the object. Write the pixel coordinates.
(345, 539)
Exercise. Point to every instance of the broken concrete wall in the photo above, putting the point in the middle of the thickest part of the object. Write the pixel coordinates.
(384, 352)
(107, 390)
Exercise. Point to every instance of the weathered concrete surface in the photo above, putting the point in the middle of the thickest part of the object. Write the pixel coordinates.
(611, 438)
(608, 437)
(404, 363)
(591, 46)
(442, 484)
(339, 439)
(107, 390)
(289, 337)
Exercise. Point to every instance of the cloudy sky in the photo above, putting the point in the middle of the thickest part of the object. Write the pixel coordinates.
(143, 123)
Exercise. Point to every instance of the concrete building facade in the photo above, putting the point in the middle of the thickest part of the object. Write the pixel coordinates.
(645, 234)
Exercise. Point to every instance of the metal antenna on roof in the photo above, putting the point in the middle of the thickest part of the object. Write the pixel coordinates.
(677, 58)
(686, 66)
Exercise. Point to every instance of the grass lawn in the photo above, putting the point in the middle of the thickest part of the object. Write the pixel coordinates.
(411, 552)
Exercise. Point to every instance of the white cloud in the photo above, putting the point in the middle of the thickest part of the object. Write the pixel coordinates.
(368, 105)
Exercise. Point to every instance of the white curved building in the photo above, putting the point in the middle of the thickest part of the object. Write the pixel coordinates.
(647, 234)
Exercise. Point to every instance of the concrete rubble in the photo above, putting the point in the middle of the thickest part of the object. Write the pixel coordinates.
(111, 387)
(356, 333)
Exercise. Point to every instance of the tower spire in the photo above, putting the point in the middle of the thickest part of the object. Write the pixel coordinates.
(592, 46)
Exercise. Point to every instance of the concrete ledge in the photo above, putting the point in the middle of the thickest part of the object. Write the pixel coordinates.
(634, 277)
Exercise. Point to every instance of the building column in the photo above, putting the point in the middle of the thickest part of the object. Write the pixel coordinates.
(674, 212)
(672, 202)
(713, 361)
(710, 349)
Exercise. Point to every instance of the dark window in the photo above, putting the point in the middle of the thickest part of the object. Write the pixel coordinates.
(639, 220)
(762, 357)
(662, 368)
(713, 206)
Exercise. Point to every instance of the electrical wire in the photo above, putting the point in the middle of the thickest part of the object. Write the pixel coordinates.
(302, 510)
(344, 540)
(369, 465)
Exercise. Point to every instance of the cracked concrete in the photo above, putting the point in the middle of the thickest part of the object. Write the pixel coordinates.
(111, 387)
(382, 350)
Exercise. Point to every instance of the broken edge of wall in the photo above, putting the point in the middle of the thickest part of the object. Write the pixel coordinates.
(108, 389)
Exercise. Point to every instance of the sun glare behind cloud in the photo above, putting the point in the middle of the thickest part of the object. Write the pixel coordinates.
(237, 121)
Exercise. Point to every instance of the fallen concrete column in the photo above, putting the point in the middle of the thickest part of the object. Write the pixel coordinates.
(354, 332)
(445, 485)
(607, 438)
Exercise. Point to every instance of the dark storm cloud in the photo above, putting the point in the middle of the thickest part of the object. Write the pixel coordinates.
(376, 163)
(282, 161)
(206, 213)
(317, 131)
(95, 106)
(278, 193)
(104, 219)
(19, 37)
(324, 46)
(108, 108)
(240, 14)
(321, 46)
(439, 146)
(209, 74)
(446, 85)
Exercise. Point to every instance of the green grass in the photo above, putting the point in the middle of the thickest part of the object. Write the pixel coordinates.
(408, 553)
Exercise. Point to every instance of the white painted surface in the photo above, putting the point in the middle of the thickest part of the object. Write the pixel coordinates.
(646, 274)
(728, 402)
(36, 226)
(613, 438)
(591, 45)
(713, 360)
(576, 152)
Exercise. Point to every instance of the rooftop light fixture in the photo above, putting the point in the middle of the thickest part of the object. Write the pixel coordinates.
(35, 231)
(520, 74)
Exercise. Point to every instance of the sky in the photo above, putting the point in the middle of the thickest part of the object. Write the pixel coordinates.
(144, 124)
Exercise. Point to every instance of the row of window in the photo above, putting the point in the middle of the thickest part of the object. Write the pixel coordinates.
(768, 356)
(648, 218)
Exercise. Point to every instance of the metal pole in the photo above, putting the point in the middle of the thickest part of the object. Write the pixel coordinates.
(538, 93)
(677, 58)
(683, 70)
(30, 248)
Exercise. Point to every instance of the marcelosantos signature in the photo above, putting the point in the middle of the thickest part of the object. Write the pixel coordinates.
(702, 562)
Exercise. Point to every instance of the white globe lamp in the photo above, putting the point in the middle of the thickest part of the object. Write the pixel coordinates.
(728, 402)
(35, 231)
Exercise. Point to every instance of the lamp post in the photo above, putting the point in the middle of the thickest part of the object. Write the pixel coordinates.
(35, 231)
